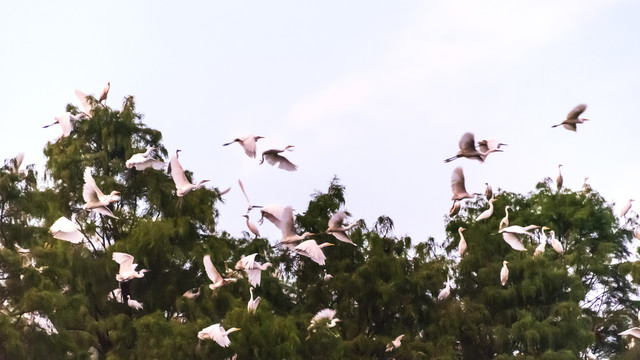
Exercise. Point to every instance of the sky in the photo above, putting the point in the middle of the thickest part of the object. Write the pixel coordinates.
(377, 93)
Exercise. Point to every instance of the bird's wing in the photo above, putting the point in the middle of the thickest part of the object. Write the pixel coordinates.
(249, 146)
(63, 224)
(287, 223)
(340, 235)
(156, 164)
(103, 210)
(273, 213)
(254, 276)
(325, 314)
(311, 249)
(177, 173)
(90, 191)
(399, 338)
(285, 164)
(125, 260)
(467, 142)
(85, 103)
(457, 182)
(513, 241)
(569, 126)
(635, 332)
(249, 262)
(483, 146)
(337, 219)
(212, 273)
(242, 188)
(573, 115)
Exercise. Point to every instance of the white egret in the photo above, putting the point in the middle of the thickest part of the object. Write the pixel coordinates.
(455, 208)
(488, 191)
(444, 293)
(252, 227)
(68, 230)
(253, 268)
(273, 213)
(66, 123)
(273, 157)
(338, 229)
(213, 274)
(217, 333)
(248, 143)
(625, 209)
(504, 273)
(510, 235)
(252, 306)
(635, 332)
(312, 250)
(543, 242)
(557, 246)
(86, 105)
(573, 118)
(141, 161)
(462, 245)
(94, 198)
(505, 220)
(489, 146)
(191, 293)
(282, 217)
(394, 344)
(457, 186)
(468, 149)
(559, 179)
(133, 303)
(327, 276)
(183, 185)
(585, 185)
(102, 96)
(127, 267)
(487, 213)
(325, 314)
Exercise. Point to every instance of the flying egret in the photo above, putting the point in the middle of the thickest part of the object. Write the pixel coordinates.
(252, 306)
(191, 293)
(127, 267)
(488, 192)
(325, 314)
(86, 105)
(253, 268)
(183, 185)
(559, 179)
(487, 213)
(213, 274)
(455, 208)
(504, 273)
(141, 161)
(510, 235)
(327, 276)
(249, 206)
(282, 217)
(489, 146)
(252, 227)
(66, 123)
(338, 229)
(444, 293)
(68, 230)
(394, 344)
(273, 157)
(457, 186)
(505, 220)
(94, 198)
(468, 149)
(133, 303)
(573, 118)
(462, 245)
(217, 333)
(625, 209)
(543, 242)
(248, 143)
(102, 96)
(312, 250)
(557, 246)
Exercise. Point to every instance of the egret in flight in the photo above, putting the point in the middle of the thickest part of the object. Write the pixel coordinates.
(183, 185)
(273, 157)
(127, 267)
(282, 217)
(312, 250)
(248, 143)
(394, 344)
(68, 230)
(488, 147)
(94, 198)
(217, 333)
(141, 161)
(468, 149)
(325, 314)
(66, 123)
(86, 105)
(253, 268)
(457, 186)
(573, 118)
(213, 274)
(635, 332)
(338, 229)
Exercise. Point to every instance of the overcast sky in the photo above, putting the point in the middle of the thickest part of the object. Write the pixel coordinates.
(375, 92)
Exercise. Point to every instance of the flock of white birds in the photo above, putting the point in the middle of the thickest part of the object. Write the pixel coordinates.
(282, 217)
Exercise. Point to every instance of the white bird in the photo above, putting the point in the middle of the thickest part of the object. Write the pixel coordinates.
(66, 123)
(312, 250)
(468, 149)
(282, 217)
(488, 191)
(127, 267)
(68, 230)
(510, 235)
(86, 105)
(183, 185)
(457, 186)
(252, 306)
(102, 96)
(141, 161)
(590, 355)
(248, 143)
(252, 227)
(191, 294)
(444, 293)
(325, 314)
(487, 213)
(625, 209)
(249, 206)
(462, 245)
(217, 333)
(585, 185)
(573, 118)
(543, 242)
(635, 332)
(505, 220)
(115, 295)
(394, 344)
(327, 276)
(504, 273)
(253, 268)
(559, 179)
(338, 229)
(94, 198)
(489, 146)
(557, 246)
(213, 274)
(273, 157)
(133, 303)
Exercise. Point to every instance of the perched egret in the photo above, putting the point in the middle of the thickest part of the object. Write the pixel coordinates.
(102, 96)
(585, 185)
(559, 179)
(625, 209)
(457, 186)
(327, 276)
(217, 333)
(133, 303)
(252, 306)
(394, 344)
(94, 198)
(337, 227)
(183, 185)
(487, 213)
(573, 118)
(505, 220)
(325, 314)
(468, 149)
(273, 157)
(68, 230)
(543, 242)
(557, 246)
(488, 147)
(462, 245)
(66, 123)
(444, 293)
(504, 273)
(252, 227)
(312, 250)
(213, 274)
(191, 293)
(141, 161)
(248, 143)
(253, 268)
(127, 267)
(488, 191)
(455, 208)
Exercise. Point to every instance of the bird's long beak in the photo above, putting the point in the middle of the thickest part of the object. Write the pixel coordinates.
(116, 192)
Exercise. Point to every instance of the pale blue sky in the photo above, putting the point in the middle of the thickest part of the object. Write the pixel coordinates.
(375, 92)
